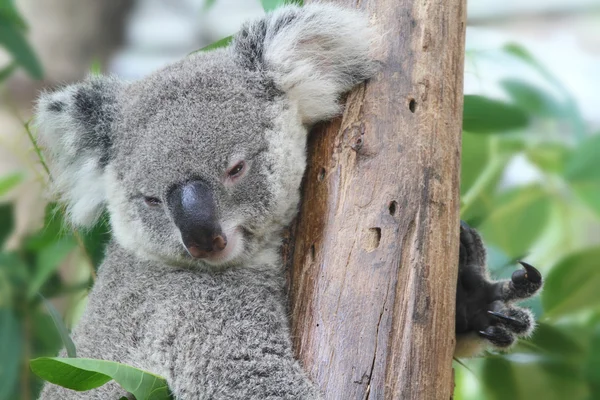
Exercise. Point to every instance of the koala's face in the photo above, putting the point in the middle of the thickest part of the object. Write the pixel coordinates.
(201, 162)
(207, 163)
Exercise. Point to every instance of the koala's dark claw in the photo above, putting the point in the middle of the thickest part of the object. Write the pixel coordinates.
(486, 335)
(498, 336)
(528, 274)
(514, 324)
(504, 318)
(524, 283)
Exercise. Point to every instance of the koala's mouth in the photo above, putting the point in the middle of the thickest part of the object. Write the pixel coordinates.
(233, 249)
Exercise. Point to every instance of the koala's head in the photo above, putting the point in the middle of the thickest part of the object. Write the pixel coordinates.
(201, 162)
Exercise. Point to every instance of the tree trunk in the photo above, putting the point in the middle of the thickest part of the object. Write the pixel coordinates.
(375, 250)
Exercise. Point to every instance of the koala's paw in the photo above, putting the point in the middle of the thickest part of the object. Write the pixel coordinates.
(485, 309)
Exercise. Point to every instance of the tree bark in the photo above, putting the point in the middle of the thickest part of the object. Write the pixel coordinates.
(374, 254)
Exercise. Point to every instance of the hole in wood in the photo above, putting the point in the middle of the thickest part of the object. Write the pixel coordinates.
(393, 207)
(312, 253)
(412, 105)
(321, 175)
(373, 239)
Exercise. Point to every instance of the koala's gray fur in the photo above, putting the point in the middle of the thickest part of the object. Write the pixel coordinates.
(215, 328)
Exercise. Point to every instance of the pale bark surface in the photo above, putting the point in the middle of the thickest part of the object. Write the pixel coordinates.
(375, 254)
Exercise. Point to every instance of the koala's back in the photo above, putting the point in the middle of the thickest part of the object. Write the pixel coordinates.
(213, 335)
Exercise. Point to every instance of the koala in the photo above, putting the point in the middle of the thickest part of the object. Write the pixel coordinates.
(199, 168)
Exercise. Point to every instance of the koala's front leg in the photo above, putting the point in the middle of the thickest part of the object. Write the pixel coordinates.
(485, 309)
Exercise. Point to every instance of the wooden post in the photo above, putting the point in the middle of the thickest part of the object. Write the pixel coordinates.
(375, 250)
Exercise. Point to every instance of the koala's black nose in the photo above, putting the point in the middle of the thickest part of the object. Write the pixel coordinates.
(195, 213)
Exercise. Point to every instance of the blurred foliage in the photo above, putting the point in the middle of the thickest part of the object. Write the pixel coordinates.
(553, 220)
(30, 326)
(27, 329)
(12, 38)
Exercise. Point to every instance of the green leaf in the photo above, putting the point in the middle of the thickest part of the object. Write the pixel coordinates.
(592, 365)
(523, 376)
(583, 174)
(563, 380)
(96, 240)
(589, 193)
(9, 14)
(521, 52)
(61, 328)
(45, 336)
(572, 285)
(484, 160)
(478, 201)
(582, 165)
(531, 98)
(54, 228)
(550, 157)
(48, 260)
(83, 374)
(12, 39)
(7, 222)
(10, 353)
(518, 218)
(15, 267)
(484, 115)
(57, 371)
(9, 182)
(482, 202)
(548, 339)
(511, 144)
(218, 44)
(499, 380)
(475, 156)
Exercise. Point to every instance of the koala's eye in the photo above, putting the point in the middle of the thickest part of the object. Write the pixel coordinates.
(152, 201)
(236, 170)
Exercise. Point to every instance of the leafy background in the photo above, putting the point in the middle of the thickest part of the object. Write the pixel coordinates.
(551, 220)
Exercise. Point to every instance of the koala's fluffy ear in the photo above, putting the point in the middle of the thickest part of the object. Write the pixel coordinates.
(314, 54)
(75, 129)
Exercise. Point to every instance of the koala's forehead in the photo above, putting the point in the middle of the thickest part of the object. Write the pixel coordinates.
(196, 114)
